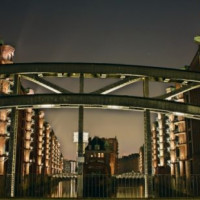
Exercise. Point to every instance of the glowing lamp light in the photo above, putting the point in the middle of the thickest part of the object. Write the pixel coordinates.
(197, 39)
(115, 107)
(178, 113)
(47, 106)
(85, 137)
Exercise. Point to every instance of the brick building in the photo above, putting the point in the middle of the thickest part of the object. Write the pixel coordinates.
(175, 146)
(38, 149)
(101, 156)
(128, 163)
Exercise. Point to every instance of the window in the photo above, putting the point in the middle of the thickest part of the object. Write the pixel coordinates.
(96, 147)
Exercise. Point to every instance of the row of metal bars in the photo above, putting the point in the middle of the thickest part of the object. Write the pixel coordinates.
(10, 183)
(11, 165)
(105, 186)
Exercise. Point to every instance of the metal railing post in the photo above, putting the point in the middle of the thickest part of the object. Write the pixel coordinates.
(80, 143)
(11, 165)
(147, 144)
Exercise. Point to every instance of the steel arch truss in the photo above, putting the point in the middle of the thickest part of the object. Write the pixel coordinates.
(128, 74)
(101, 71)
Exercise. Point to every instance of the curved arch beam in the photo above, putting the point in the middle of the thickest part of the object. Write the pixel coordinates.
(90, 68)
(102, 101)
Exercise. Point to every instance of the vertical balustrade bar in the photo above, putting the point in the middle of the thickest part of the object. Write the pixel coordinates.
(147, 144)
(80, 142)
(11, 165)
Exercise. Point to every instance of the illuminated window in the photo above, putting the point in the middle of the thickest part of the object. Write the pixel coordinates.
(99, 155)
(102, 155)
(96, 147)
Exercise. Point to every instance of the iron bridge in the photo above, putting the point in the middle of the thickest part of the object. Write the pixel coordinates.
(61, 97)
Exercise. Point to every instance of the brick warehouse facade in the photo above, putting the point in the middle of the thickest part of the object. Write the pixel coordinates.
(38, 149)
(175, 139)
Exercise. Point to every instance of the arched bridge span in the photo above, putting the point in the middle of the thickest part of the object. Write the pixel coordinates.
(127, 74)
(97, 69)
(99, 101)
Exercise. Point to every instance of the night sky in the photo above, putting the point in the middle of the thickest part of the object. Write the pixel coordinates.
(142, 32)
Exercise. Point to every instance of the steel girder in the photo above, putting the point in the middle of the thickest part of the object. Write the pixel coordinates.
(109, 88)
(99, 101)
(67, 69)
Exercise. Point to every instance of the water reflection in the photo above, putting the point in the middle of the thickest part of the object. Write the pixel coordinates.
(65, 188)
(68, 189)
(130, 192)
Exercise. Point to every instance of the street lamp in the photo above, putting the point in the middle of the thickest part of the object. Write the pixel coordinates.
(197, 39)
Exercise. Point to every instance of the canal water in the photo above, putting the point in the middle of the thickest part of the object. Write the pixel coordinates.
(68, 189)
(64, 189)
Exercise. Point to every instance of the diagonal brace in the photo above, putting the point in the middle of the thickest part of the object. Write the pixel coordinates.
(181, 90)
(46, 84)
(117, 85)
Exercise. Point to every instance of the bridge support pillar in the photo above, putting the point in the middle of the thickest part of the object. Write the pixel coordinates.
(147, 144)
(11, 165)
(80, 143)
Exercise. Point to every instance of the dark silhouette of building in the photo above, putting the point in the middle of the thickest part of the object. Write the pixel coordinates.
(128, 163)
(101, 155)
(69, 166)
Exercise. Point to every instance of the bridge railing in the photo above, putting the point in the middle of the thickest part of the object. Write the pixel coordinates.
(102, 186)
(176, 186)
